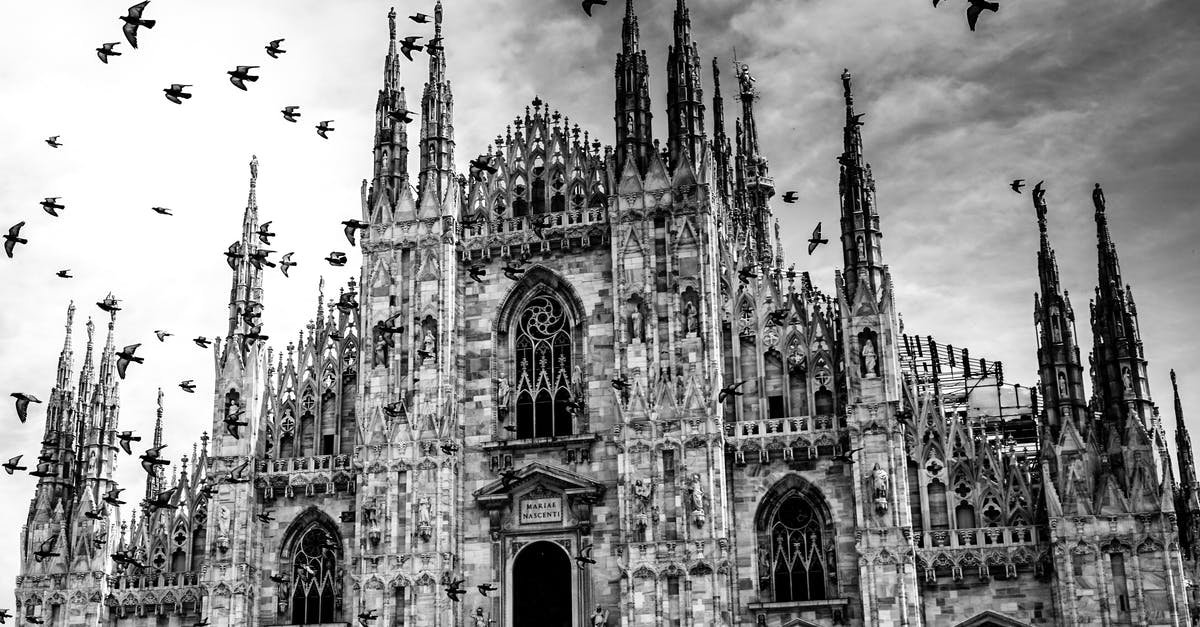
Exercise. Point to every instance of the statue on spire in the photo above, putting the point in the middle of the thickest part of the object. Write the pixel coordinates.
(1039, 204)
(1098, 198)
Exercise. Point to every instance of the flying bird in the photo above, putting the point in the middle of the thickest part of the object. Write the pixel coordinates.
(46, 550)
(730, 390)
(233, 254)
(476, 273)
(508, 478)
(620, 383)
(366, 617)
(401, 115)
(133, 20)
(455, 590)
(113, 496)
(255, 334)
(259, 258)
(816, 239)
(125, 356)
(274, 50)
(162, 335)
(290, 112)
(162, 501)
(279, 578)
(584, 559)
(485, 588)
(52, 206)
(13, 465)
(64, 274)
(3, 615)
(1017, 184)
(790, 197)
(106, 50)
(539, 223)
(846, 457)
(419, 18)
(408, 45)
(109, 304)
(13, 238)
(513, 273)
(241, 74)
(979, 6)
(23, 401)
(232, 424)
(237, 474)
(346, 303)
(35, 620)
(127, 559)
(201, 623)
(747, 273)
(265, 517)
(162, 211)
(96, 514)
(286, 262)
(351, 227)
(480, 164)
(449, 448)
(202, 342)
(187, 386)
(124, 438)
(336, 259)
(588, 4)
(780, 317)
(53, 141)
(324, 127)
(176, 94)
(153, 457)
(44, 469)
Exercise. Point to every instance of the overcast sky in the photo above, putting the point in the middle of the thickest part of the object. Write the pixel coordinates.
(1044, 90)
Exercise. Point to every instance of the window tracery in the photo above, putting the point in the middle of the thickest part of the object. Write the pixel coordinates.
(543, 353)
(798, 565)
(314, 578)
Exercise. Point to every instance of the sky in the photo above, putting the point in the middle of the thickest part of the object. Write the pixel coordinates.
(1043, 90)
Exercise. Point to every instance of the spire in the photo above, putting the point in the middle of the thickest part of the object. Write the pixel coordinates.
(437, 122)
(246, 291)
(86, 379)
(391, 133)
(634, 138)
(1183, 444)
(721, 148)
(65, 357)
(154, 482)
(108, 358)
(758, 186)
(860, 221)
(685, 96)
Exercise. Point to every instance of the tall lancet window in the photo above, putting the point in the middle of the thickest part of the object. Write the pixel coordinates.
(795, 559)
(314, 577)
(542, 343)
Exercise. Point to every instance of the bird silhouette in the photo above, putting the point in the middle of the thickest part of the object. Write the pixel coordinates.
(162, 335)
(279, 578)
(273, 49)
(846, 457)
(790, 197)
(346, 303)
(23, 401)
(264, 232)
(449, 448)
(52, 206)
(401, 115)
(162, 211)
(476, 273)
(409, 45)
(46, 549)
(109, 304)
(485, 588)
(455, 590)
(351, 227)
(584, 559)
(620, 383)
(816, 239)
(233, 254)
(730, 390)
(44, 469)
(1017, 184)
(258, 258)
(53, 141)
(747, 273)
(133, 20)
(265, 517)
(3, 615)
(64, 274)
(106, 50)
(35, 620)
(508, 478)
(202, 342)
(482, 163)
(162, 500)
(336, 259)
(286, 262)
(237, 475)
(290, 113)
(242, 74)
(125, 438)
(513, 273)
(419, 18)
(780, 317)
(113, 496)
(153, 457)
(176, 94)
(324, 128)
(13, 237)
(232, 424)
(96, 514)
(255, 334)
(187, 386)
(366, 617)
(127, 558)
(203, 622)
(13, 465)
(979, 6)
(539, 223)
(588, 4)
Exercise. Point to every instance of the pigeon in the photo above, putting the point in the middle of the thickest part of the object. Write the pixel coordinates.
(286, 262)
(175, 93)
(153, 457)
(290, 113)
(13, 465)
(346, 303)
(324, 127)
(393, 409)
(336, 259)
(53, 141)
(44, 469)
(816, 239)
(232, 424)
(124, 557)
(508, 478)
(255, 334)
(162, 211)
(273, 49)
(106, 50)
(280, 578)
(13, 238)
(64, 274)
(23, 401)
(476, 273)
(202, 342)
(847, 457)
(620, 383)
(419, 18)
(351, 227)
(449, 448)
(539, 223)
(510, 428)
(483, 163)
(236, 475)
(780, 317)
(1017, 184)
(133, 20)
(366, 617)
(241, 74)
(264, 232)
(52, 206)
(3, 615)
(259, 258)
(584, 559)
(790, 197)
(979, 6)
(856, 120)
(730, 390)
(161, 335)
(96, 514)
(46, 549)
(455, 590)
(113, 496)
(109, 304)
(35, 620)
(485, 588)
(162, 501)
(747, 273)
(233, 254)
(124, 438)
(401, 115)
(588, 4)
(188, 386)
(265, 517)
(203, 622)
(408, 45)
(513, 273)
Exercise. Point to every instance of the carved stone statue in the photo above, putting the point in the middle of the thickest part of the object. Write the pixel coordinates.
(869, 360)
(643, 489)
(879, 482)
(503, 393)
(479, 619)
(223, 528)
(599, 617)
(429, 344)
(635, 324)
(697, 493)
(690, 318)
(1063, 390)
(1098, 198)
(425, 518)
(1127, 379)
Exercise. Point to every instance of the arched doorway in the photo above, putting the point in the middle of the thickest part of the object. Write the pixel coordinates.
(542, 586)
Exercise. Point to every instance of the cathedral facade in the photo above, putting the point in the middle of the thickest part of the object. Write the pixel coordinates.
(578, 386)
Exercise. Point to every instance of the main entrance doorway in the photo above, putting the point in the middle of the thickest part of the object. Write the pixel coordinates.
(542, 586)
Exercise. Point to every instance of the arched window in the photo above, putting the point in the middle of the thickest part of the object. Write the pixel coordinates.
(313, 577)
(796, 562)
(543, 351)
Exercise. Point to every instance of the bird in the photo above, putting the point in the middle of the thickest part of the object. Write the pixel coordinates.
(513, 273)
(780, 317)
(816, 239)
(366, 617)
(13, 465)
(46, 549)
(153, 457)
(588, 4)
(730, 390)
(64, 274)
(979, 6)
(34, 620)
(476, 273)
(408, 45)
(286, 262)
(53, 141)
(449, 448)
(483, 163)
(846, 457)
(202, 342)
(133, 19)
(176, 94)
(23, 401)
(124, 557)
(336, 258)
(393, 409)
(232, 424)
(44, 469)
(264, 232)
(52, 206)
(163, 500)
(124, 438)
(208, 490)
(324, 127)
(109, 304)
(255, 334)
(401, 115)
(747, 273)
(620, 383)
(539, 223)
(162, 335)
(279, 578)
(258, 258)
(584, 559)
(351, 227)
(290, 113)
(790, 197)
(236, 476)
(510, 428)
(1017, 184)
(106, 50)
(485, 588)
(188, 386)
(508, 478)
(346, 303)
(3, 615)
(233, 254)
(419, 18)
(265, 516)
(96, 514)
(125, 356)
(113, 496)
(13, 238)
(455, 590)
(273, 49)
(203, 622)
(242, 74)
(162, 211)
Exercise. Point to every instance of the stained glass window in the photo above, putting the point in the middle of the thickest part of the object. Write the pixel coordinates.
(544, 366)
(314, 572)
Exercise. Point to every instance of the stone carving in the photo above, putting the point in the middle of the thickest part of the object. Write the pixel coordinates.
(643, 489)
(599, 617)
(425, 518)
(370, 519)
(479, 619)
(635, 325)
(503, 395)
(879, 482)
(696, 498)
(223, 528)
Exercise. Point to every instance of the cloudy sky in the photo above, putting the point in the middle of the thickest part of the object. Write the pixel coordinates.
(1044, 90)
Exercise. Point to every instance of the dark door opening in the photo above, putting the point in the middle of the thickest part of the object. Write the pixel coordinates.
(542, 592)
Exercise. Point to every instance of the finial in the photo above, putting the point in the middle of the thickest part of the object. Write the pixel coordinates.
(1098, 198)
(91, 331)
(1039, 205)
(392, 23)
(437, 20)
(253, 170)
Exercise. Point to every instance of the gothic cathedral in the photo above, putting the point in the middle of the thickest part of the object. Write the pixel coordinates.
(579, 386)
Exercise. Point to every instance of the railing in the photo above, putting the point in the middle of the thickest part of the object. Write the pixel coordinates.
(979, 537)
(555, 219)
(300, 464)
(154, 580)
(791, 425)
